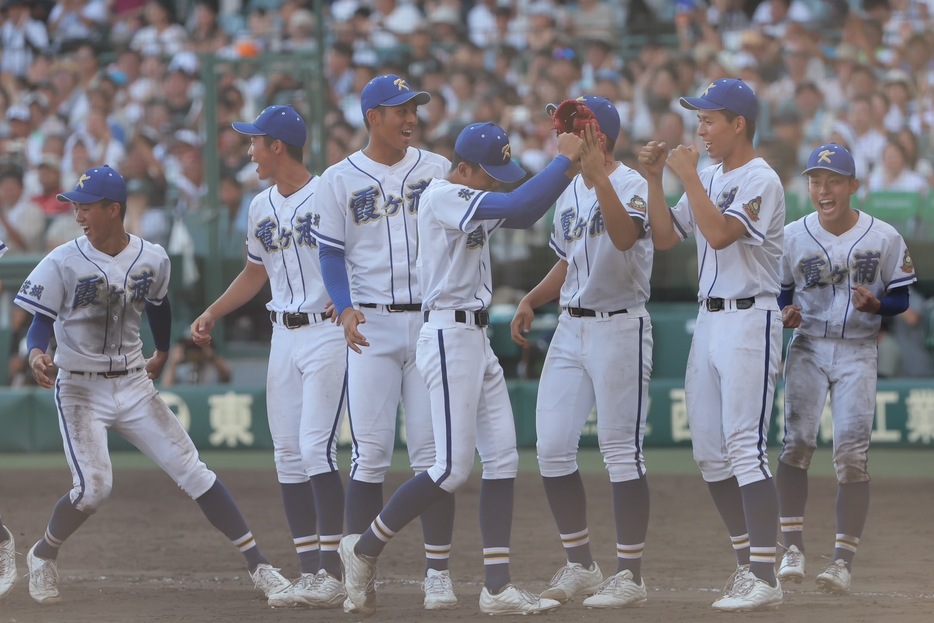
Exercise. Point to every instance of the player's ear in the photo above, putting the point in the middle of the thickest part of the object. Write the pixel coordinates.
(854, 184)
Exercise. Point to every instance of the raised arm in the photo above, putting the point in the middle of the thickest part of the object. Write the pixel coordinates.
(652, 158)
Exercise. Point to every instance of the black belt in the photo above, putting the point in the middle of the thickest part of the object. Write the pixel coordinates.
(296, 320)
(479, 318)
(395, 307)
(717, 304)
(583, 312)
(106, 375)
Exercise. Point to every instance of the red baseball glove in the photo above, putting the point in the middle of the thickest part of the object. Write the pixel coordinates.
(572, 116)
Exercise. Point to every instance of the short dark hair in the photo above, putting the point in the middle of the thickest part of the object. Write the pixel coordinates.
(294, 151)
(750, 125)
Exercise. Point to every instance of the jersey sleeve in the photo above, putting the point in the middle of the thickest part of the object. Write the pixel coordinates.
(160, 287)
(254, 248)
(786, 271)
(328, 213)
(43, 291)
(454, 206)
(683, 218)
(898, 267)
(756, 204)
(632, 190)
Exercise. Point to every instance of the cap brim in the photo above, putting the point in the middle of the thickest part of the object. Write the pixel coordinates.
(78, 197)
(832, 169)
(506, 173)
(420, 97)
(247, 128)
(699, 103)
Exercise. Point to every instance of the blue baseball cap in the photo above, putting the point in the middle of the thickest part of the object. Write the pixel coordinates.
(283, 123)
(389, 90)
(730, 94)
(603, 109)
(487, 145)
(832, 157)
(96, 185)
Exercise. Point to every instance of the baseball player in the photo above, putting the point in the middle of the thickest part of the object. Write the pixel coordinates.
(95, 289)
(305, 379)
(736, 211)
(470, 405)
(602, 290)
(7, 543)
(842, 270)
(368, 207)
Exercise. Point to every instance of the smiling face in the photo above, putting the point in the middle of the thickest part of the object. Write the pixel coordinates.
(718, 134)
(262, 156)
(392, 127)
(830, 194)
(99, 220)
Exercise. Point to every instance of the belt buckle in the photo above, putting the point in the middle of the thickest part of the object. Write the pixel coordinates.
(715, 304)
(393, 308)
(111, 375)
(291, 321)
(573, 312)
(482, 318)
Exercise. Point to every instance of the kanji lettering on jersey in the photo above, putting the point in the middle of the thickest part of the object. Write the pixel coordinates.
(303, 225)
(285, 238)
(363, 205)
(35, 291)
(140, 284)
(597, 226)
(392, 205)
(866, 266)
(726, 198)
(115, 294)
(265, 230)
(415, 193)
(476, 239)
(466, 193)
(87, 290)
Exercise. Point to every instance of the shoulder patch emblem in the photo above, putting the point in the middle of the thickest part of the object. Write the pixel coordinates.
(752, 208)
(637, 203)
(907, 265)
(466, 194)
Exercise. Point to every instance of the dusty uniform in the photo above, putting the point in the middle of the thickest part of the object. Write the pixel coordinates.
(835, 349)
(601, 353)
(305, 381)
(470, 403)
(96, 302)
(369, 210)
(736, 350)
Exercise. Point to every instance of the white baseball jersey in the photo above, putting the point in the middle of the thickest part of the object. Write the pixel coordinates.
(600, 277)
(752, 193)
(470, 406)
(370, 211)
(454, 257)
(97, 301)
(280, 238)
(823, 269)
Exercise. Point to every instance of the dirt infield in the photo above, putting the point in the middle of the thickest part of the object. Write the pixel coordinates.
(150, 556)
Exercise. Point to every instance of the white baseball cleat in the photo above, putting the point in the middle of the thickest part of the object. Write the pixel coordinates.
(7, 565)
(439, 590)
(750, 594)
(514, 600)
(359, 576)
(573, 580)
(619, 591)
(268, 579)
(792, 567)
(43, 578)
(836, 579)
(311, 590)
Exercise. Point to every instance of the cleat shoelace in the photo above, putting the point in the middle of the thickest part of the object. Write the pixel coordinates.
(837, 570)
(438, 584)
(46, 576)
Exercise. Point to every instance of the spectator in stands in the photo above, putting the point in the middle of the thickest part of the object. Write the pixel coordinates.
(205, 34)
(73, 22)
(22, 38)
(894, 174)
(22, 223)
(909, 330)
(190, 364)
(162, 34)
(49, 180)
(899, 88)
(185, 172)
(867, 142)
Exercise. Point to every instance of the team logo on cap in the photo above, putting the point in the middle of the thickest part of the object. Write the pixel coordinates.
(824, 156)
(399, 82)
(84, 176)
(507, 153)
(908, 266)
(752, 208)
(707, 90)
(637, 203)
